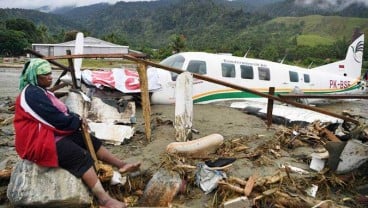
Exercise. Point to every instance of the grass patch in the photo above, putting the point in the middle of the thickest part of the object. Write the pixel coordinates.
(313, 40)
(335, 27)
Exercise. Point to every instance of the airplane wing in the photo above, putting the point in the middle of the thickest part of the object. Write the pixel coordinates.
(282, 114)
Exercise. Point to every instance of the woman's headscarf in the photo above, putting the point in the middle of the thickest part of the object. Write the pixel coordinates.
(30, 71)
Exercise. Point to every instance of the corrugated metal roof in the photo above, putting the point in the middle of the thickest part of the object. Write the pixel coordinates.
(88, 42)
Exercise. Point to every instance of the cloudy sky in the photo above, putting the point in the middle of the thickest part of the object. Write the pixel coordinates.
(32, 4)
(340, 4)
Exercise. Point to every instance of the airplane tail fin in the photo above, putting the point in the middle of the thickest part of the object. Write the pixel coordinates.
(78, 49)
(352, 65)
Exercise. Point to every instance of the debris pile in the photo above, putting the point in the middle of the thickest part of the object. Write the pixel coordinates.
(279, 170)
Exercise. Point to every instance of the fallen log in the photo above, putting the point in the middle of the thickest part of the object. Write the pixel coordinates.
(202, 146)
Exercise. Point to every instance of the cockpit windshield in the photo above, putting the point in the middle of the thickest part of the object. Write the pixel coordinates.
(175, 61)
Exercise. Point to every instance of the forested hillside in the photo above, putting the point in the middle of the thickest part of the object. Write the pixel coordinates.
(54, 23)
(268, 29)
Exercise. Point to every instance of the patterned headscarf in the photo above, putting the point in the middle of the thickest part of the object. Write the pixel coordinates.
(30, 71)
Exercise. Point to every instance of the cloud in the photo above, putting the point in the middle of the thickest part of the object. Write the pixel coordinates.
(328, 4)
(35, 4)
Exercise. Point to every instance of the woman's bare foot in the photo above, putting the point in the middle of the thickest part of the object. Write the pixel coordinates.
(112, 203)
(129, 167)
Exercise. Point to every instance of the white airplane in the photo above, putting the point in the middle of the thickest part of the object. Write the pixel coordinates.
(341, 77)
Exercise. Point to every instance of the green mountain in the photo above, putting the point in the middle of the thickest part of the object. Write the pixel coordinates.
(264, 26)
(55, 23)
(317, 29)
(152, 23)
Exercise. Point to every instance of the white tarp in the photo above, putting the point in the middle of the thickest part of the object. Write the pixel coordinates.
(113, 134)
(123, 80)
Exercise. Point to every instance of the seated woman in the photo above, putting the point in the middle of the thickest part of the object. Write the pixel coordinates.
(48, 134)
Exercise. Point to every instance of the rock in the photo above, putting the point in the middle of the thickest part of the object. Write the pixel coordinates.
(74, 101)
(35, 186)
(354, 154)
(161, 189)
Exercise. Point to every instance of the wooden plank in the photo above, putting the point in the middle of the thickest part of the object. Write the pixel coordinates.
(88, 142)
(250, 184)
(146, 106)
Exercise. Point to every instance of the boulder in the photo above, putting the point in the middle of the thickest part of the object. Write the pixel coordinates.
(35, 186)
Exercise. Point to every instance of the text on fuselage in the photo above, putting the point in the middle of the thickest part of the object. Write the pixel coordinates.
(339, 84)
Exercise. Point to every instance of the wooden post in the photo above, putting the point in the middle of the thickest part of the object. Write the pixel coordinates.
(271, 91)
(72, 71)
(183, 107)
(142, 71)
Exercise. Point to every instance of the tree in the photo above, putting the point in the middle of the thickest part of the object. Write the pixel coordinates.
(44, 34)
(59, 37)
(177, 43)
(12, 42)
(340, 47)
(70, 35)
(27, 27)
(269, 53)
(114, 38)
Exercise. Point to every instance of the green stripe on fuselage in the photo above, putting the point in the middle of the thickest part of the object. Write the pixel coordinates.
(246, 95)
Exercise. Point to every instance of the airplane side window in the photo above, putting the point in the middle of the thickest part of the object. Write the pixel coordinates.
(264, 73)
(306, 78)
(246, 72)
(294, 77)
(198, 67)
(228, 70)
